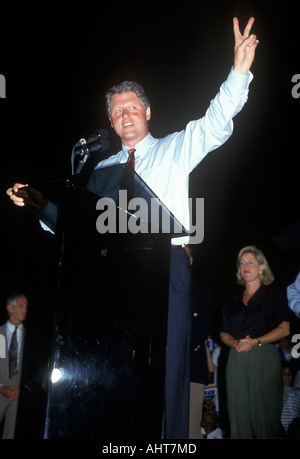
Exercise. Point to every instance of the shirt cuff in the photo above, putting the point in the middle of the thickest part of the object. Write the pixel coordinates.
(48, 217)
(296, 309)
(239, 81)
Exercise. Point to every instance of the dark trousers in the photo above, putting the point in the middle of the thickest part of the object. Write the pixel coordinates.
(178, 347)
(254, 389)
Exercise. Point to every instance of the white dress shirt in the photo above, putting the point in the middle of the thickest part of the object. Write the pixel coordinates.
(165, 164)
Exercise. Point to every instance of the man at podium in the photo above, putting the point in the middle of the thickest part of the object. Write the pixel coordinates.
(165, 164)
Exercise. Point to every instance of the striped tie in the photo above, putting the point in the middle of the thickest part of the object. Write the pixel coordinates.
(13, 354)
(131, 158)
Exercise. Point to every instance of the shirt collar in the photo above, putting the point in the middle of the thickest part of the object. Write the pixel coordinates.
(141, 147)
(12, 327)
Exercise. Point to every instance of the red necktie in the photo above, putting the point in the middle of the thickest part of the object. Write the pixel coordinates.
(131, 158)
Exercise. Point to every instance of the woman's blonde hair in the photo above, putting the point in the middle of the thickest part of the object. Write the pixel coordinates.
(266, 275)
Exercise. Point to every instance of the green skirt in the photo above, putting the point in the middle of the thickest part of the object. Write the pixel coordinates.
(254, 392)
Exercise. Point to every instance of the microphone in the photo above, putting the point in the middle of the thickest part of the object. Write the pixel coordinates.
(95, 142)
(98, 141)
(98, 135)
(87, 149)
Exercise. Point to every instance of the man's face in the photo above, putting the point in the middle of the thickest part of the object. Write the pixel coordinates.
(129, 117)
(18, 312)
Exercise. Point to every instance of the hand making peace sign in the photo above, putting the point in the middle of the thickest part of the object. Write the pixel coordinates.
(244, 47)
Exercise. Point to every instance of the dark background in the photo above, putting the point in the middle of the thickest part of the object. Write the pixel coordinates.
(59, 62)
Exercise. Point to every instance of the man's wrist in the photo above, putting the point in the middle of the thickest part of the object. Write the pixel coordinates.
(240, 70)
(239, 81)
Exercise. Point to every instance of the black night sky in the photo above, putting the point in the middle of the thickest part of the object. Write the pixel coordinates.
(58, 64)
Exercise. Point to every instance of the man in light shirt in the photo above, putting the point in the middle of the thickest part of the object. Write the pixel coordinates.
(10, 382)
(165, 165)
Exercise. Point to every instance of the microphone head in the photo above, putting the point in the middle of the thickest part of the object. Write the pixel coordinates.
(95, 147)
(97, 136)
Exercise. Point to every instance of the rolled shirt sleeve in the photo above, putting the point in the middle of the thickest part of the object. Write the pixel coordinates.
(293, 294)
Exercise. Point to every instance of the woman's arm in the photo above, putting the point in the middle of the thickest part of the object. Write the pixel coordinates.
(272, 336)
(244, 345)
(228, 339)
(210, 364)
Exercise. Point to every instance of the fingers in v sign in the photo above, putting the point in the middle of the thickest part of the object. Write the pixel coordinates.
(244, 47)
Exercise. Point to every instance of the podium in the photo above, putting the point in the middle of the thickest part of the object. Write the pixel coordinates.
(110, 326)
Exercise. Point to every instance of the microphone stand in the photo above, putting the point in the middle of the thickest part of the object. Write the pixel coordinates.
(83, 159)
(84, 149)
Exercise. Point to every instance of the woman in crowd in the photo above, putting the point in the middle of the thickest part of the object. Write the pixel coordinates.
(253, 321)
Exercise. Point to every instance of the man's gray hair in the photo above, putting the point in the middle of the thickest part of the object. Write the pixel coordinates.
(126, 86)
(12, 299)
